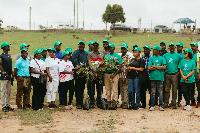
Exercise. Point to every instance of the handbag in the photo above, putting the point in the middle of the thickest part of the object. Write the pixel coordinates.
(42, 79)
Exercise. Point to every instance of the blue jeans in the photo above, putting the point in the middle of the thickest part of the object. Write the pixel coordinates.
(91, 92)
(156, 85)
(134, 87)
(60, 92)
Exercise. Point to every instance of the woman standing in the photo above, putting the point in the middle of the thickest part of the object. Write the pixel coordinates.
(37, 67)
(52, 68)
(67, 79)
(187, 70)
(137, 65)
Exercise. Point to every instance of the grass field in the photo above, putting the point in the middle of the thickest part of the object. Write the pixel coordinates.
(40, 39)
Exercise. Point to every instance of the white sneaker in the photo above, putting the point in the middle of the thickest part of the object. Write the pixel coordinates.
(185, 107)
(151, 109)
(161, 108)
(188, 107)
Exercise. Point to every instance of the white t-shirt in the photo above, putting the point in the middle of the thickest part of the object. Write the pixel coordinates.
(129, 54)
(53, 65)
(65, 66)
(42, 67)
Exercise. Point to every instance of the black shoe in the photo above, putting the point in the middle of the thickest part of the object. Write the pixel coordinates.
(50, 106)
(135, 107)
(92, 106)
(174, 107)
(54, 106)
(9, 108)
(142, 107)
(165, 106)
(4, 109)
(130, 107)
(61, 104)
(79, 107)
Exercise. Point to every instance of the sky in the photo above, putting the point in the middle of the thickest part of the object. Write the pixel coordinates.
(160, 12)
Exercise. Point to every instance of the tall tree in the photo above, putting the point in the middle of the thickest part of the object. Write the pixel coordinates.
(1, 29)
(113, 14)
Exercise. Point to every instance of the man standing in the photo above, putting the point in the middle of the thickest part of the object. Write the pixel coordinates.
(44, 53)
(22, 75)
(171, 75)
(5, 67)
(156, 65)
(123, 77)
(112, 77)
(105, 50)
(163, 47)
(79, 56)
(194, 47)
(130, 54)
(23, 45)
(90, 45)
(95, 57)
(179, 46)
(58, 54)
(146, 86)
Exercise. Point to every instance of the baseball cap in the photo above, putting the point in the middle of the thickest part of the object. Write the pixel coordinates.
(163, 43)
(172, 44)
(81, 42)
(69, 49)
(112, 45)
(3, 44)
(23, 45)
(125, 43)
(65, 53)
(157, 47)
(137, 49)
(43, 49)
(51, 49)
(90, 42)
(106, 40)
(96, 42)
(57, 43)
(124, 46)
(147, 46)
(37, 51)
(194, 43)
(189, 50)
(179, 44)
(135, 46)
(24, 50)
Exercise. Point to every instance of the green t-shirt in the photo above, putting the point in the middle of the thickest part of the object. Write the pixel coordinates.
(195, 59)
(182, 55)
(110, 57)
(157, 74)
(43, 59)
(88, 51)
(172, 61)
(187, 67)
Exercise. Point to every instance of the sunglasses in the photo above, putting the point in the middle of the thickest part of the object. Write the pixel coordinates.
(185, 53)
(96, 45)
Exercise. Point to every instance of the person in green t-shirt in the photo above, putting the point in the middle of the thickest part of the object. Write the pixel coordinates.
(171, 75)
(112, 77)
(90, 44)
(156, 65)
(44, 53)
(194, 47)
(187, 69)
(179, 47)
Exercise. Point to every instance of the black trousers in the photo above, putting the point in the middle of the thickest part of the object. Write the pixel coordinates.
(179, 89)
(198, 89)
(68, 85)
(43, 92)
(37, 94)
(193, 92)
(80, 87)
(186, 90)
(143, 90)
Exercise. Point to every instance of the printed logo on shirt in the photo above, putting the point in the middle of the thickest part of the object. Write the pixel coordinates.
(186, 67)
(170, 60)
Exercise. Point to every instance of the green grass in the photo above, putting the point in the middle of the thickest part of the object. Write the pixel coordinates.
(36, 39)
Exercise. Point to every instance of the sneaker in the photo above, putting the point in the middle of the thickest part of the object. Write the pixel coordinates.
(142, 107)
(124, 107)
(9, 108)
(5, 109)
(79, 107)
(198, 105)
(40, 109)
(165, 106)
(188, 107)
(130, 107)
(54, 106)
(179, 104)
(174, 107)
(151, 109)
(50, 106)
(161, 108)
(193, 104)
(135, 107)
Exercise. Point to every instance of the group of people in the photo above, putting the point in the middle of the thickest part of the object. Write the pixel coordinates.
(134, 75)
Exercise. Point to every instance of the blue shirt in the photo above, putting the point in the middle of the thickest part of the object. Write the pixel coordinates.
(23, 67)
(146, 60)
(59, 55)
(6, 64)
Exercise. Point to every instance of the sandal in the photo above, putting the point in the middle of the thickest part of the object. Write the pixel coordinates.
(71, 107)
(67, 108)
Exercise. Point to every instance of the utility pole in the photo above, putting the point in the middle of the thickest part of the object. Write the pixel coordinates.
(30, 20)
(74, 16)
(77, 15)
(83, 17)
